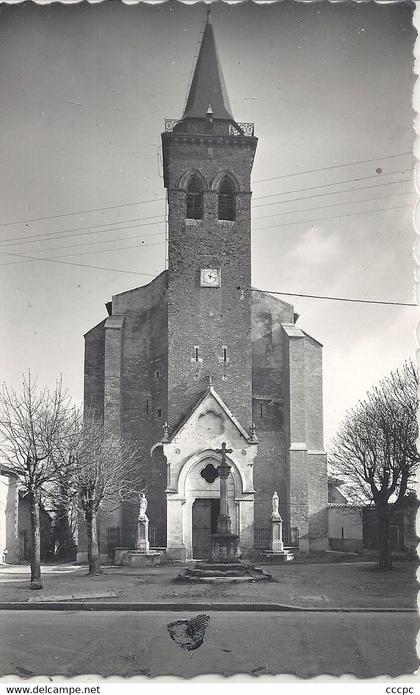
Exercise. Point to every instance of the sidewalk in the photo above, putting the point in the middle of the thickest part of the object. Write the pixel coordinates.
(322, 586)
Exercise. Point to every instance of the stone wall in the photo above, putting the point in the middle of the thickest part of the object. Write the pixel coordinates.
(269, 404)
(9, 539)
(144, 406)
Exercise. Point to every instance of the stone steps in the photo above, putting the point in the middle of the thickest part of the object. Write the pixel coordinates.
(226, 580)
(233, 571)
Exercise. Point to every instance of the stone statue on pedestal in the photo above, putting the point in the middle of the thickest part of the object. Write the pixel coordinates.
(275, 507)
(277, 526)
(142, 544)
(142, 506)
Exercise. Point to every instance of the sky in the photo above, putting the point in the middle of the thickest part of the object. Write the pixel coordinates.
(85, 91)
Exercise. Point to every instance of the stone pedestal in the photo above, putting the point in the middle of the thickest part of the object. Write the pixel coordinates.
(142, 543)
(276, 553)
(224, 546)
(135, 558)
(142, 555)
(277, 533)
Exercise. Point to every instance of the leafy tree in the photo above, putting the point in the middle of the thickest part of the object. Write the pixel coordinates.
(375, 449)
(32, 424)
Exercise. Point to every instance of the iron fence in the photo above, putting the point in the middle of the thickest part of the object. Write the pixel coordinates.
(262, 537)
(126, 537)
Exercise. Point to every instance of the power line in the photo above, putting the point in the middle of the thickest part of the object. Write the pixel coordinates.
(80, 212)
(65, 235)
(156, 200)
(288, 294)
(333, 183)
(35, 237)
(340, 299)
(99, 241)
(276, 214)
(286, 224)
(322, 195)
(119, 248)
(86, 253)
(331, 205)
(334, 166)
(333, 217)
(79, 265)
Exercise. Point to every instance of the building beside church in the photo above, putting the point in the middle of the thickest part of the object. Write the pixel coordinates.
(198, 357)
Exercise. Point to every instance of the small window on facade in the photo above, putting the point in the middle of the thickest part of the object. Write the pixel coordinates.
(156, 374)
(147, 406)
(224, 354)
(261, 410)
(194, 199)
(196, 353)
(227, 206)
(159, 412)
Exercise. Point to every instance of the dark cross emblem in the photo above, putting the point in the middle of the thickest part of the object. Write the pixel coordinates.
(224, 467)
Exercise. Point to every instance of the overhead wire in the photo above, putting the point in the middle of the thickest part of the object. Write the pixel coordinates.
(334, 166)
(256, 229)
(287, 224)
(112, 228)
(154, 200)
(79, 265)
(332, 205)
(80, 212)
(64, 234)
(333, 217)
(341, 299)
(335, 183)
(322, 195)
(85, 253)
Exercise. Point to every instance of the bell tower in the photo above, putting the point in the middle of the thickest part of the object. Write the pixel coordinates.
(208, 158)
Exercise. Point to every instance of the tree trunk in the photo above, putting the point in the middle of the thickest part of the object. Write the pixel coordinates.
(384, 545)
(93, 549)
(34, 500)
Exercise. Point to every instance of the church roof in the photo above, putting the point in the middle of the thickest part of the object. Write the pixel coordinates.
(208, 90)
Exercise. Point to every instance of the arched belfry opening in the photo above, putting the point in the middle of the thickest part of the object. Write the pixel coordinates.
(227, 200)
(194, 199)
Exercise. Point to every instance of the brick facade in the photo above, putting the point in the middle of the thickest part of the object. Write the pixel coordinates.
(152, 359)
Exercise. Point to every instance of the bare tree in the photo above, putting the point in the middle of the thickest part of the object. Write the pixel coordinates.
(31, 425)
(375, 449)
(105, 472)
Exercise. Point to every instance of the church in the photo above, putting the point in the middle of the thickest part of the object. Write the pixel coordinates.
(199, 357)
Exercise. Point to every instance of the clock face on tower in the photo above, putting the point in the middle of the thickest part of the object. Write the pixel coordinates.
(210, 277)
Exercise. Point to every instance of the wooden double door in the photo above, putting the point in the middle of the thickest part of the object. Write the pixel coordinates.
(204, 523)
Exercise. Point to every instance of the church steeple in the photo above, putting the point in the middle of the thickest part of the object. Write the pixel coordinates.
(208, 90)
(207, 163)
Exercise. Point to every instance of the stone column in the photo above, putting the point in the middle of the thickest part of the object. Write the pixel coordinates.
(223, 520)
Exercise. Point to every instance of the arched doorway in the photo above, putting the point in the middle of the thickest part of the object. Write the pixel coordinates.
(202, 505)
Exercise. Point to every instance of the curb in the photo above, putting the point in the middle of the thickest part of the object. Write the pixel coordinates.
(177, 607)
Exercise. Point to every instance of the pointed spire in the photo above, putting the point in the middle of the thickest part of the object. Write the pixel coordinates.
(208, 86)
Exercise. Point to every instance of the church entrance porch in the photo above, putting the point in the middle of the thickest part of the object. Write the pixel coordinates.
(193, 509)
(204, 523)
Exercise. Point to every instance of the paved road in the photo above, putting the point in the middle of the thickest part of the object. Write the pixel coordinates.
(128, 643)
